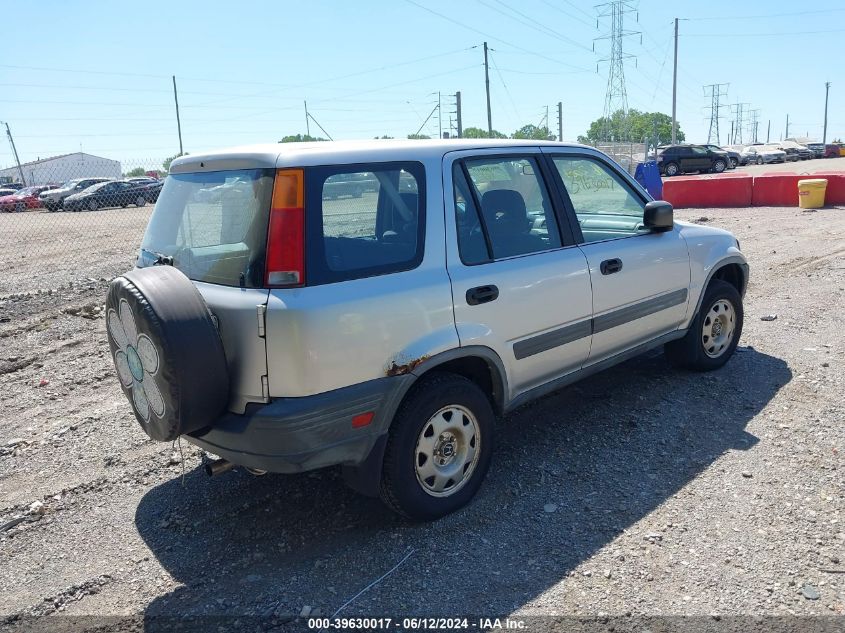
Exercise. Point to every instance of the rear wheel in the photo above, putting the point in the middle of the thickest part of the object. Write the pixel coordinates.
(671, 169)
(20, 207)
(714, 332)
(439, 448)
(759, 160)
(734, 163)
(140, 201)
(92, 205)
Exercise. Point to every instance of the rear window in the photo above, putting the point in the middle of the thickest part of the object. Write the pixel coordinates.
(212, 226)
(363, 220)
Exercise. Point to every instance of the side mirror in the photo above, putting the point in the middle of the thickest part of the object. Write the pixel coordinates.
(658, 216)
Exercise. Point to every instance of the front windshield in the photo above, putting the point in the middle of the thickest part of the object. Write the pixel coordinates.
(213, 225)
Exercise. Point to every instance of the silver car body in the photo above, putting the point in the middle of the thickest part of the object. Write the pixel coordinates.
(298, 342)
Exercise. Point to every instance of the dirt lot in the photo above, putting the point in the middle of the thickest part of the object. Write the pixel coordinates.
(642, 490)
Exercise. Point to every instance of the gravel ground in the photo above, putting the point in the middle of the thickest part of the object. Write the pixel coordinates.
(642, 490)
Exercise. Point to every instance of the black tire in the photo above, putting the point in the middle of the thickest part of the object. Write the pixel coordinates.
(734, 163)
(690, 352)
(759, 160)
(167, 352)
(401, 489)
(719, 166)
(671, 169)
(140, 201)
(20, 207)
(92, 205)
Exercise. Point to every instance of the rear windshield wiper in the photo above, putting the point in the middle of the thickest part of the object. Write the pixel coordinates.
(160, 258)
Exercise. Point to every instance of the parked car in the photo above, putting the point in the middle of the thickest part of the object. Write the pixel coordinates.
(679, 159)
(12, 185)
(114, 193)
(817, 149)
(7, 192)
(351, 185)
(760, 154)
(831, 150)
(282, 335)
(54, 198)
(23, 199)
(734, 157)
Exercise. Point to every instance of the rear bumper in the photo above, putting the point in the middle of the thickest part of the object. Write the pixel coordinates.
(291, 435)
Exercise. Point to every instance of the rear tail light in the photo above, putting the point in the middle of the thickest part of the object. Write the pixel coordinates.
(286, 233)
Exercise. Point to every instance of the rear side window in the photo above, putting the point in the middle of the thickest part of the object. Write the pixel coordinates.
(364, 220)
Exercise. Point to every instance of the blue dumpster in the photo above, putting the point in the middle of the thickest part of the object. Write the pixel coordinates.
(648, 175)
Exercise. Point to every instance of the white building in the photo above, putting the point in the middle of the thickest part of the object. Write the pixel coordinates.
(59, 169)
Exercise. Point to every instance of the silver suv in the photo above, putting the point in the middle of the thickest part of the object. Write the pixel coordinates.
(284, 327)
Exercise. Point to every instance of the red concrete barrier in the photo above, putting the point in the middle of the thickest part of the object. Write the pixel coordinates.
(776, 190)
(724, 190)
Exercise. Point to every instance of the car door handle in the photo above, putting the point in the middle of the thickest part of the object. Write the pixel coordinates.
(610, 266)
(482, 294)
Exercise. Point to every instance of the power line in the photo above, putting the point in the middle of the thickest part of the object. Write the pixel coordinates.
(783, 33)
(533, 24)
(769, 15)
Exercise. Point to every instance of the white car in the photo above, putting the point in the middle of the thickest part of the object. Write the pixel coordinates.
(285, 330)
(760, 154)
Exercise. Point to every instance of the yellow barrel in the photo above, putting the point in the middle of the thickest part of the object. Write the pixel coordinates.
(811, 193)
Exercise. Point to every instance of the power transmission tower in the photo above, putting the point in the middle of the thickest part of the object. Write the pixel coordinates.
(739, 121)
(755, 121)
(616, 98)
(716, 94)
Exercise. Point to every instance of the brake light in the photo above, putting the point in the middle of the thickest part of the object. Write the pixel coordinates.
(286, 233)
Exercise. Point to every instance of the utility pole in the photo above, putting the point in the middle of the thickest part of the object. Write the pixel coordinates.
(769, 131)
(487, 87)
(787, 127)
(439, 116)
(731, 139)
(826, 92)
(15, 152)
(716, 93)
(307, 122)
(675, 89)
(560, 121)
(178, 121)
(458, 108)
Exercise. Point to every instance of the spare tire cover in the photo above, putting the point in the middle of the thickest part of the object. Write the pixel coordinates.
(167, 351)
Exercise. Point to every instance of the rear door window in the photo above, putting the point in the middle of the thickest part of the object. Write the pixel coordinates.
(364, 220)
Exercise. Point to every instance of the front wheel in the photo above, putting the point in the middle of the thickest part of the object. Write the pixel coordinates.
(93, 206)
(438, 449)
(714, 332)
(734, 163)
(719, 166)
(671, 169)
(140, 201)
(759, 160)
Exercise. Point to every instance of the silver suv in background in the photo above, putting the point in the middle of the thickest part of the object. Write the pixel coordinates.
(54, 198)
(285, 328)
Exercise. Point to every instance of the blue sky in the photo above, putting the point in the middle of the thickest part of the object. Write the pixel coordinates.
(97, 75)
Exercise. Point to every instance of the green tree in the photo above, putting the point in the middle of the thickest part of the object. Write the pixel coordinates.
(167, 161)
(418, 136)
(382, 137)
(477, 132)
(133, 173)
(534, 133)
(301, 138)
(640, 126)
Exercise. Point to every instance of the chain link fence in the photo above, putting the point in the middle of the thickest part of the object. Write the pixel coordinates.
(628, 155)
(75, 216)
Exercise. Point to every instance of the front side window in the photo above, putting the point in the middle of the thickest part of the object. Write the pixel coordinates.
(504, 207)
(605, 206)
(369, 220)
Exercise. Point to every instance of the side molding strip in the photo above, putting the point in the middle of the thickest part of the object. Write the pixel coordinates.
(573, 332)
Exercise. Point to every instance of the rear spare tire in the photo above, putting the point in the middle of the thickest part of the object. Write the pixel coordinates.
(167, 352)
